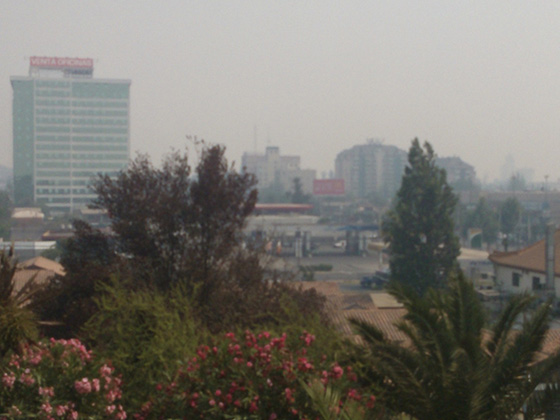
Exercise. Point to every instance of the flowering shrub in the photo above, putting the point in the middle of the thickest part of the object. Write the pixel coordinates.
(59, 379)
(254, 376)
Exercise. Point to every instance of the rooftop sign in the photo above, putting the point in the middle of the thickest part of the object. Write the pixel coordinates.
(61, 62)
(328, 187)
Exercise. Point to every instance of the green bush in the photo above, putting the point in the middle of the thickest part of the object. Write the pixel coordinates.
(17, 326)
(255, 376)
(144, 333)
(59, 379)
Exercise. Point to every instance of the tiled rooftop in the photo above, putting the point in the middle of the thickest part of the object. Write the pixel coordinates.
(531, 258)
(344, 306)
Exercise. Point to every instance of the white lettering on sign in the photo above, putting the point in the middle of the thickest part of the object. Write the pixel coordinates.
(60, 62)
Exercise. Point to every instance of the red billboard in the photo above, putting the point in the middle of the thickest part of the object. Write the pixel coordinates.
(328, 187)
(61, 62)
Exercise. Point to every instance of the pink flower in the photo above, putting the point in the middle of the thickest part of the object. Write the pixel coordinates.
(95, 385)
(121, 415)
(253, 407)
(307, 338)
(110, 409)
(26, 378)
(60, 410)
(289, 395)
(36, 359)
(105, 370)
(112, 395)
(337, 372)
(46, 391)
(46, 407)
(83, 386)
(212, 403)
(8, 380)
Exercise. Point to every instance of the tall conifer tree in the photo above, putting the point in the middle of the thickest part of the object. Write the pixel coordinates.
(419, 229)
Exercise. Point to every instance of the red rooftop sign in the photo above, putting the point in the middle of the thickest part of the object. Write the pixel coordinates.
(61, 62)
(328, 187)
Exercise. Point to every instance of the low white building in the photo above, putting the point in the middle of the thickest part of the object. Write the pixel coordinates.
(524, 270)
(272, 168)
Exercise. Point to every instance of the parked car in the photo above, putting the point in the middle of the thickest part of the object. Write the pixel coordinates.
(378, 279)
(340, 244)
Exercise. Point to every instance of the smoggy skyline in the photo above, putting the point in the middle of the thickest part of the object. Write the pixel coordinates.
(477, 80)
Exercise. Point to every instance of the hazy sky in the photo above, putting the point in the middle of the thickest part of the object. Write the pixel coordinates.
(478, 79)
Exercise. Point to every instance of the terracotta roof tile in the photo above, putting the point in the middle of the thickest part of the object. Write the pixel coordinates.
(531, 258)
(42, 263)
(343, 306)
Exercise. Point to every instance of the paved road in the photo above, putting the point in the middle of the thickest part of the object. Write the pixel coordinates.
(344, 267)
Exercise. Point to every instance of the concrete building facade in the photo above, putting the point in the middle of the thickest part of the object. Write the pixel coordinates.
(371, 169)
(458, 171)
(67, 128)
(274, 169)
(525, 270)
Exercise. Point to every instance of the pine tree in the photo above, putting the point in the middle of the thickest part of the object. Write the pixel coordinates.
(419, 229)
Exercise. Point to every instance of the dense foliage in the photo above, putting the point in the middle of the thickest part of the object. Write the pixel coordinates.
(173, 228)
(252, 376)
(59, 379)
(452, 367)
(423, 247)
(145, 334)
(484, 218)
(6, 207)
(89, 260)
(183, 228)
(17, 322)
(168, 300)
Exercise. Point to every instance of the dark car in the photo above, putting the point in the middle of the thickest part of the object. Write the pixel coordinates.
(379, 278)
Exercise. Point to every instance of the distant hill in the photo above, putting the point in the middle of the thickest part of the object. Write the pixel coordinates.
(5, 176)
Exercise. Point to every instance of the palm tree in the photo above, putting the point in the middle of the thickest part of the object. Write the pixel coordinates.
(454, 368)
(17, 322)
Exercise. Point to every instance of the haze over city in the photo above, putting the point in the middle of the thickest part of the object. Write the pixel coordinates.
(477, 80)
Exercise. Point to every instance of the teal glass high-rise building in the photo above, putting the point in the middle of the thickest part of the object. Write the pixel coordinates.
(67, 128)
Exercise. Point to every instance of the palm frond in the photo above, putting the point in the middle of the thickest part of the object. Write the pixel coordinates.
(515, 307)
(507, 382)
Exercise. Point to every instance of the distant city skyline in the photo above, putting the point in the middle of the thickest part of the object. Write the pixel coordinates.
(478, 80)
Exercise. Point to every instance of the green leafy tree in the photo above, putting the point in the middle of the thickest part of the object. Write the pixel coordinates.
(274, 193)
(145, 333)
(89, 260)
(297, 195)
(6, 207)
(485, 218)
(454, 368)
(423, 247)
(510, 211)
(172, 228)
(184, 228)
